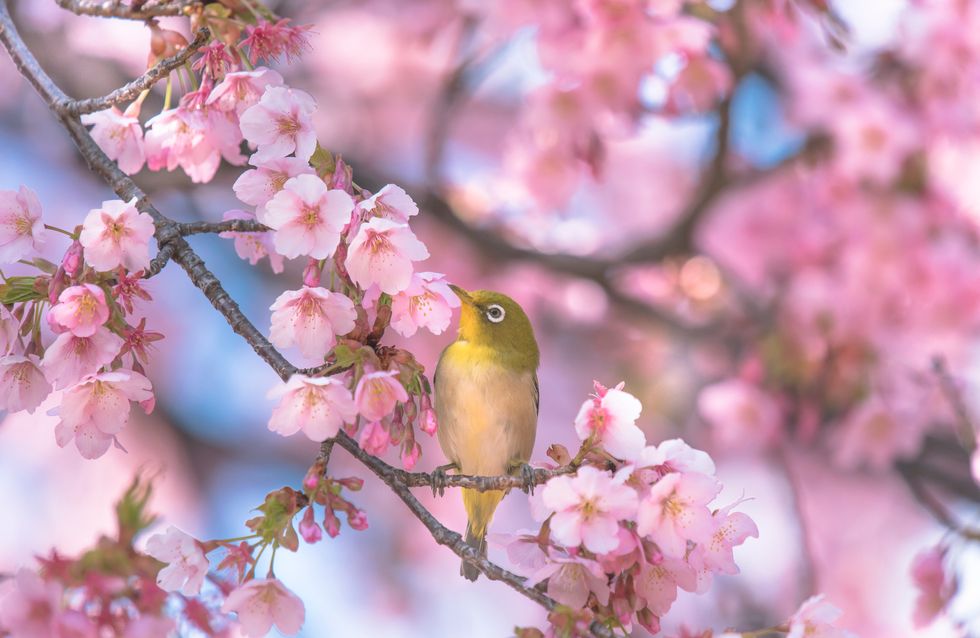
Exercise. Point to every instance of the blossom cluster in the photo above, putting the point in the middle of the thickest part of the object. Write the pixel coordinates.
(632, 526)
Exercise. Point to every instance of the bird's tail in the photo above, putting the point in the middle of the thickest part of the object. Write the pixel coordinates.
(479, 510)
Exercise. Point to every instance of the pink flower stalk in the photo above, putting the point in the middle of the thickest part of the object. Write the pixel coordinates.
(309, 529)
(675, 455)
(81, 310)
(377, 393)
(263, 602)
(252, 247)
(657, 584)
(391, 202)
(22, 384)
(71, 358)
(117, 235)
(21, 228)
(34, 608)
(267, 40)
(120, 136)
(815, 619)
(612, 417)
(97, 409)
(935, 588)
(588, 508)
(308, 217)
(280, 123)
(374, 438)
(318, 406)
(310, 318)
(428, 302)
(382, 253)
(258, 185)
(676, 511)
(187, 566)
(242, 89)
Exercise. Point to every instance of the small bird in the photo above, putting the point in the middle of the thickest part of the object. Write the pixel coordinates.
(486, 401)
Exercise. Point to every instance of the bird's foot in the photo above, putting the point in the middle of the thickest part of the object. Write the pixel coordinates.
(439, 478)
(527, 476)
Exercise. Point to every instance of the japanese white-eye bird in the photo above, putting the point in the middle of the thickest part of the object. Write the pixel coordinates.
(486, 401)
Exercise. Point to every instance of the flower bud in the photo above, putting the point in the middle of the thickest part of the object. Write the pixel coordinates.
(72, 261)
(331, 524)
(308, 527)
(311, 274)
(357, 519)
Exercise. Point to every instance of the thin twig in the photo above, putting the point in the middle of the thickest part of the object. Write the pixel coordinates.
(131, 91)
(114, 9)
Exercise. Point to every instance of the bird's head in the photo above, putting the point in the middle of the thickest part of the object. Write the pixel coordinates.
(497, 322)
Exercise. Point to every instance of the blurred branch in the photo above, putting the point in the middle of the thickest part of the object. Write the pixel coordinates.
(229, 225)
(933, 504)
(136, 11)
(132, 90)
(951, 391)
(169, 236)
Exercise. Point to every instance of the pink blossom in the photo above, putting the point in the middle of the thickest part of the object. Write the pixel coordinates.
(935, 587)
(428, 302)
(81, 310)
(267, 40)
(815, 619)
(377, 393)
(588, 508)
(258, 185)
(280, 123)
(311, 318)
(318, 406)
(391, 202)
(21, 228)
(612, 418)
(253, 246)
(657, 583)
(675, 512)
(308, 217)
(181, 137)
(242, 89)
(215, 60)
(97, 409)
(117, 235)
(741, 415)
(22, 384)
(374, 438)
(34, 608)
(730, 530)
(674, 455)
(264, 602)
(382, 253)
(120, 136)
(187, 566)
(70, 358)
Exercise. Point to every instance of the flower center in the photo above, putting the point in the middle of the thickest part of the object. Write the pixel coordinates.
(277, 179)
(287, 125)
(86, 307)
(378, 243)
(310, 215)
(23, 225)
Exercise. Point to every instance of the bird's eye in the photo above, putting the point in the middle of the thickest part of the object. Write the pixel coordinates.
(495, 313)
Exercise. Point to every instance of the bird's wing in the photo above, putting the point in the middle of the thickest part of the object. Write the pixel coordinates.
(537, 394)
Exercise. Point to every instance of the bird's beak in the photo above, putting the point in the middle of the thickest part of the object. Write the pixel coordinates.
(462, 294)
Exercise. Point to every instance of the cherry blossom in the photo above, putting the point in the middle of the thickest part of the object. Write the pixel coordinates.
(427, 302)
(280, 123)
(242, 89)
(70, 358)
(611, 416)
(675, 511)
(310, 318)
(657, 583)
(935, 587)
(675, 455)
(318, 406)
(571, 579)
(815, 619)
(253, 246)
(730, 530)
(258, 185)
(268, 40)
(21, 228)
(740, 414)
(117, 235)
(181, 137)
(120, 135)
(391, 202)
(262, 603)
(81, 310)
(382, 253)
(95, 410)
(23, 385)
(34, 608)
(588, 508)
(374, 438)
(308, 217)
(187, 566)
(377, 393)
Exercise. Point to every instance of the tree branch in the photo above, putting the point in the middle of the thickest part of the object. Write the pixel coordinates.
(229, 225)
(115, 9)
(132, 90)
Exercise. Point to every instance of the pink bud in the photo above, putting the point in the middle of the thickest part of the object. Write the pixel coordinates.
(650, 622)
(429, 423)
(374, 438)
(410, 455)
(352, 483)
(308, 528)
(331, 523)
(311, 275)
(72, 261)
(357, 520)
(342, 177)
(600, 389)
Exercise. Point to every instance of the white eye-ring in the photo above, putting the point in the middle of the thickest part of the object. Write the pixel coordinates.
(496, 313)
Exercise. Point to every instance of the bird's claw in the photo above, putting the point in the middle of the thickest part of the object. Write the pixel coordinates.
(527, 478)
(439, 478)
